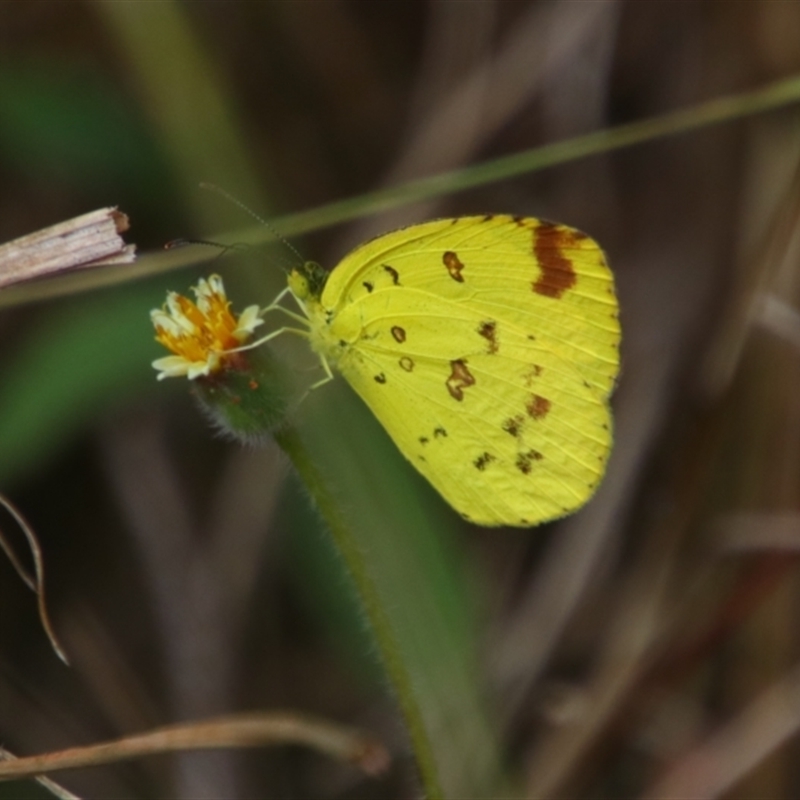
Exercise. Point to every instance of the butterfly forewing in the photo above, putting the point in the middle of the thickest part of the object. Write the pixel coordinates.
(547, 279)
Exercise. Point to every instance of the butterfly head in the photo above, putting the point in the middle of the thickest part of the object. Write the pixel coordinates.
(307, 281)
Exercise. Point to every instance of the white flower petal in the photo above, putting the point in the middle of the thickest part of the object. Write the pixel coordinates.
(206, 290)
(177, 315)
(172, 366)
(216, 285)
(162, 320)
(172, 303)
(202, 288)
(249, 320)
(202, 294)
(197, 370)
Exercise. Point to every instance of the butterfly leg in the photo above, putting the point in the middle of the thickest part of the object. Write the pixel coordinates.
(263, 339)
(277, 300)
(327, 379)
(328, 375)
(276, 306)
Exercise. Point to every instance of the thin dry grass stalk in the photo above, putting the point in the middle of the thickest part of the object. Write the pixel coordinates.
(55, 789)
(34, 582)
(241, 730)
(91, 240)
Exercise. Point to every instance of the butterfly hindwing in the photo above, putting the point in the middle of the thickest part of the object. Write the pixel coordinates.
(508, 433)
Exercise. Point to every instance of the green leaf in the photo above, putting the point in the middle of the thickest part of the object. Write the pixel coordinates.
(83, 360)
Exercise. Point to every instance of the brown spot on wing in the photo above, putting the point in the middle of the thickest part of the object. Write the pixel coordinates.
(524, 462)
(406, 363)
(488, 330)
(460, 378)
(482, 460)
(513, 425)
(534, 372)
(368, 286)
(438, 432)
(557, 274)
(538, 406)
(399, 334)
(380, 378)
(394, 273)
(454, 266)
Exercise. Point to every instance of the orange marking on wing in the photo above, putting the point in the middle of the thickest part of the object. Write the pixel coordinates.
(557, 272)
(538, 406)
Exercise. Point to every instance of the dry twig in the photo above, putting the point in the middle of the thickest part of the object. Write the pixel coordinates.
(91, 240)
(34, 582)
(241, 730)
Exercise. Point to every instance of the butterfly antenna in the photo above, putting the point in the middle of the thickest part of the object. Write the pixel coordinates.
(237, 202)
(223, 248)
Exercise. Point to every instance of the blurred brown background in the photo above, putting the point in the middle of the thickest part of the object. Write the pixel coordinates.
(653, 637)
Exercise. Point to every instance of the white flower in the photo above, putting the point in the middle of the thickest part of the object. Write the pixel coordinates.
(200, 333)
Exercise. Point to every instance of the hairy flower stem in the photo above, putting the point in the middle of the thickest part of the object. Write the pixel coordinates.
(291, 443)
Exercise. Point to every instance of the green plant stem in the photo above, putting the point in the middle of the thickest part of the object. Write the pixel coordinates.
(711, 112)
(347, 545)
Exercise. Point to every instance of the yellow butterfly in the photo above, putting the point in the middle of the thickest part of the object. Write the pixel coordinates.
(487, 347)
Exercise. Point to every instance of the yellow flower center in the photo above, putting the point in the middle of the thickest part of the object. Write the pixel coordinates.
(213, 329)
